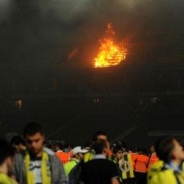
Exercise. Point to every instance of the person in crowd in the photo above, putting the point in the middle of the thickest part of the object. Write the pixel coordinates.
(49, 145)
(78, 155)
(99, 170)
(140, 166)
(98, 135)
(154, 169)
(68, 148)
(63, 156)
(171, 154)
(7, 153)
(18, 143)
(37, 164)
(152, 157)
(126, 164)
(117, 155)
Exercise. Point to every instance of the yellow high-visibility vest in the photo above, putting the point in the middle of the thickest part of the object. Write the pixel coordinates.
(88, 156)
(157, 174)
(127, 167)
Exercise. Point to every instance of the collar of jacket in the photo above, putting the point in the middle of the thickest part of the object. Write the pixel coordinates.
(99, 156)
(173, 167)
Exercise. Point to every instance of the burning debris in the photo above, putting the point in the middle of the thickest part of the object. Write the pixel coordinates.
(110, 53)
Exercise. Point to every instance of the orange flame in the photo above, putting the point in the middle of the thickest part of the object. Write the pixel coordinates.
(110, 54)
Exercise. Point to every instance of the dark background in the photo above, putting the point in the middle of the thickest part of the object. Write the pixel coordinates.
(70, 98)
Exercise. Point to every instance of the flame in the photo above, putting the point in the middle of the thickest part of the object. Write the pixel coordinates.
(110, 53)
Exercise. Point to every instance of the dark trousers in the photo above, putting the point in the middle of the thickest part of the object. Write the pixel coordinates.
(129, 181)
(140, 178)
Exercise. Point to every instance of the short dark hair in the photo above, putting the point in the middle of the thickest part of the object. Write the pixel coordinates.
(17, 140)
(60, 145)
(117, 146)
(99, 146)
(32, 128)
(6, 150)
(164, 147)
(97, 133)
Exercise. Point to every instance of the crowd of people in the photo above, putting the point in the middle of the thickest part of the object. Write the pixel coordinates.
(27, 159)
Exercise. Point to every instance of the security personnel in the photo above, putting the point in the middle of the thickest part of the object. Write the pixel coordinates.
(155, 169)
(78, 155)
(140, 166)
(168, 170)
(63, 156)
(152, 157)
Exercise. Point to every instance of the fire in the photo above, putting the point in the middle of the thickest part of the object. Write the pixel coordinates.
(110, 53)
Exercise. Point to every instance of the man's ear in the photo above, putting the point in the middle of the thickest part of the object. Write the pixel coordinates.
(9, 161)
(105, 150)
(43, 137)
(78, 155)
(108, 146)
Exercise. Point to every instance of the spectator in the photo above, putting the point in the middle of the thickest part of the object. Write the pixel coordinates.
(100, 170)
(99, 135)
(7, 153)
(126, 164)
(116, 157)
(18, 143)
(38, 165)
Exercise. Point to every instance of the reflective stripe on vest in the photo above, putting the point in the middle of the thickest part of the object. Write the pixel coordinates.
(127, 167)
(152, 159)
(111, 158)
(64, 157)
(141, 163)
(88, 156)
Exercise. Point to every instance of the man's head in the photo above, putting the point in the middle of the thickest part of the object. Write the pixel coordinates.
(99, 135)
(152, 149)
(59, 146)
(7, 153)
(101, 147)
(18, 143)
(169, 149)
(78, 152)
(118, 151)
(34, 138)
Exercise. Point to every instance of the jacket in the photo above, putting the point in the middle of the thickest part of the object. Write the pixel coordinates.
(57, 172)
(159, 174)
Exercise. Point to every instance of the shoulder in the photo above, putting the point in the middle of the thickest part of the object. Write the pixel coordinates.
(70, 163)
(51, 154)
(88, 156)
(163, 176)
(4, 179)
(101, 162)
(90, 152)
(49, 151)
(19, 156)
(157, 166)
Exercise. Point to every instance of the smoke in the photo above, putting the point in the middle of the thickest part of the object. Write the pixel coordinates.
(7, 9)
(62, 24)
(68, 10)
